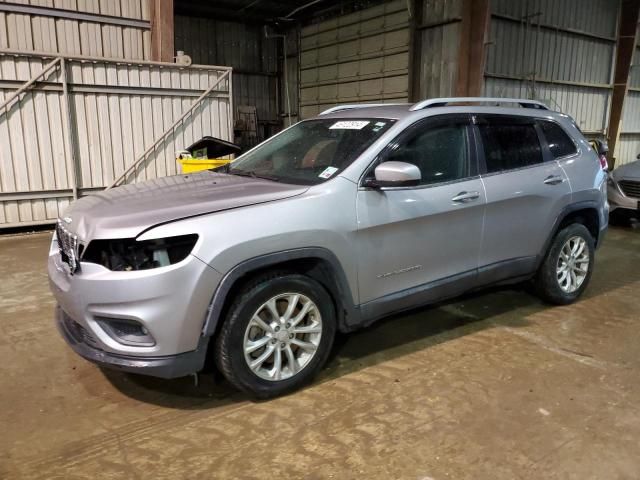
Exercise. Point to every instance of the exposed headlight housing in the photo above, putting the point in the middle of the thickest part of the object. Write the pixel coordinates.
(127, 254)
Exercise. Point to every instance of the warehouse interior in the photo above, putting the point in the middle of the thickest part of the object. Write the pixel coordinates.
(96, 94)
(287, 61)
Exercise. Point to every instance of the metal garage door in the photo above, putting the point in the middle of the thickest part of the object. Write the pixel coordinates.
(360, 57)
(81, 126)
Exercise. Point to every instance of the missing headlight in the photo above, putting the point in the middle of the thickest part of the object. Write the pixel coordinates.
(128, 254)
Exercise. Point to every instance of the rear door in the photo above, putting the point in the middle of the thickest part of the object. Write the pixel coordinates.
(526, 190)
(410, 237)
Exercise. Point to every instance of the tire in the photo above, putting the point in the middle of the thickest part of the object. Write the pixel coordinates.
(549, 282)
(242, 330)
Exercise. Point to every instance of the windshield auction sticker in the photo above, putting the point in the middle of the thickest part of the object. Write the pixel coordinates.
(350, 125)
(327, 172)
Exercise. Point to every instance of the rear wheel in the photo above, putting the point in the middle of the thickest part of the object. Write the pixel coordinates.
(566, 270)
(277, 334)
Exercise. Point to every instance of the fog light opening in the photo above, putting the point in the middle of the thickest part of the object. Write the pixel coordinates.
(127, 332)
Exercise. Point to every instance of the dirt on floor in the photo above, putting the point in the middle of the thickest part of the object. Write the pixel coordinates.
(493, 386)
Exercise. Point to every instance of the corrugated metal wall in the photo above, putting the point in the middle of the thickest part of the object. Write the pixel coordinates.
(243, 47)
(117, 111)
(123, 32)
(359, 57)
(439, 29)
(560, 52)
(628, 147)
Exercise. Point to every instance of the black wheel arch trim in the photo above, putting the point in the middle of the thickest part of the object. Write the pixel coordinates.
(347, 313)
(564, 213)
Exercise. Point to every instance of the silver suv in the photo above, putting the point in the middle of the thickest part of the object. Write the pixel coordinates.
(363, 211)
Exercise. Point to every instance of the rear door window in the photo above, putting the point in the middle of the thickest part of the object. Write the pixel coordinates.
(560, 144)
(509, 146)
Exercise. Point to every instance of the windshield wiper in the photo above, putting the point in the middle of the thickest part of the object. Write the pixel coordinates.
(240, 173)
(247, 173)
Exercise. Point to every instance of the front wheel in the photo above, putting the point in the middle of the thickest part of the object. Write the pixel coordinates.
(566, 270)
(277, 334)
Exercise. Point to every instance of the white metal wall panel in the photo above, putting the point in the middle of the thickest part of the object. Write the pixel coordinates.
(588, 106)
(118, 110)
(557, 51)
(69, 36)
(243, 47)
(558, 56)
(359, 57)
(628, 146)
(598, 17)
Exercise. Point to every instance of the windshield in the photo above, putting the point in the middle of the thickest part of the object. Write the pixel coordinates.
(312, 151)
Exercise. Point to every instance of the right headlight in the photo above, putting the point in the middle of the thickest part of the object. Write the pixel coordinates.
(127, 254)
(613, 184)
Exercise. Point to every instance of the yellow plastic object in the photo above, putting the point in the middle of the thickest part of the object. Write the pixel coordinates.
(190, 165)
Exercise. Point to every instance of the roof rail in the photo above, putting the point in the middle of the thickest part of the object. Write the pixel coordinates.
(338, 108)
(441, 102)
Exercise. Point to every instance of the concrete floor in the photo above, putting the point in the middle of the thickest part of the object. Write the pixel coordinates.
(494, 386)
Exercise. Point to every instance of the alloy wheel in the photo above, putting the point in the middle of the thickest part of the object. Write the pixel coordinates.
(573, 264)
(282, 336)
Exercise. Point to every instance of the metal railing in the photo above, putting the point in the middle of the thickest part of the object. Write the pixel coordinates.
(61, 83)
(133, 167)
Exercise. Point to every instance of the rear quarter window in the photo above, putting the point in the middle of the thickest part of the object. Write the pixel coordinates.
(559, 142)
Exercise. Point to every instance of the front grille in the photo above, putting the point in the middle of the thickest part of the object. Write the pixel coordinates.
(78, 332)
(68, 245)
(630, 188)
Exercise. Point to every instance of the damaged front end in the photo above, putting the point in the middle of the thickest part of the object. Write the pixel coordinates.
(129, 254)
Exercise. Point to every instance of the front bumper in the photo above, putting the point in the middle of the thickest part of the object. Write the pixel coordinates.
(170, 366)
(619, 201)
(171, 303)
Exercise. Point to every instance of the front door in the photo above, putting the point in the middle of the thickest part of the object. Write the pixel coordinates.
(413, 238)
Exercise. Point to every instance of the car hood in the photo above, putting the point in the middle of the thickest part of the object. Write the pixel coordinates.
(629, 171)
(126, 211)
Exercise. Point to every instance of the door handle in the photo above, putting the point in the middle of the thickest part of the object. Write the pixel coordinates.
(465, 197)
(553, 180)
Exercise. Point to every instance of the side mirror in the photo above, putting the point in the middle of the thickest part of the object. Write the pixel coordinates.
(638, 157)
(395, 174)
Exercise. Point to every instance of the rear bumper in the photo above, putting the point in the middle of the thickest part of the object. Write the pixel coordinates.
(171, 366)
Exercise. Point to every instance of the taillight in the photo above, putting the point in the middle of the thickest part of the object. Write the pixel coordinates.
(603, 162)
